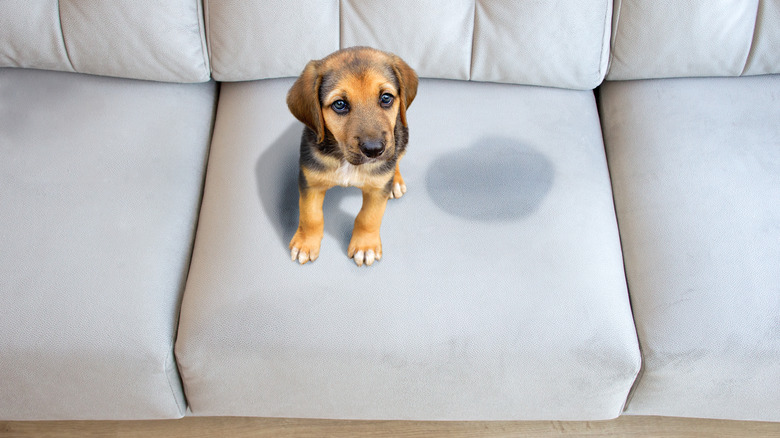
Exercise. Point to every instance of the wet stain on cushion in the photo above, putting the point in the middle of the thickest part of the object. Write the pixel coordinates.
(495, 179)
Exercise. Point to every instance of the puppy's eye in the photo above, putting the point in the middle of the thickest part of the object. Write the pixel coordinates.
(386, 100)
(340, 106)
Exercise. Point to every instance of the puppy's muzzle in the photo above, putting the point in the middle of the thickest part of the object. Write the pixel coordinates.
(371, 148)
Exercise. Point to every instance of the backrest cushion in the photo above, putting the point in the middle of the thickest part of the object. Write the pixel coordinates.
(141, 39)
(672, 38)
(561, 43)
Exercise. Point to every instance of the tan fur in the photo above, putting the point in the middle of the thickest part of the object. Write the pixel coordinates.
(352, 147)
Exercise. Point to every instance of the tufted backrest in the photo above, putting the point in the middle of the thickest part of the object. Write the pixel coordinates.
(673, 38)
(162, 40)
(560, 43)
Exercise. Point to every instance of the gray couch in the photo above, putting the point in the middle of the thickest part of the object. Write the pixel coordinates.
(592, 226)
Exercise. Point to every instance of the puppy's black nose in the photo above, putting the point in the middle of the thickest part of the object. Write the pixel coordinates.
(372, 148)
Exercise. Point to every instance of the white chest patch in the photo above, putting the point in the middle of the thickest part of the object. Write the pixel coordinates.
(348, 175)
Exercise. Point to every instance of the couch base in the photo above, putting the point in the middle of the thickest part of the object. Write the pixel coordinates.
(696, 173)
(100, 183)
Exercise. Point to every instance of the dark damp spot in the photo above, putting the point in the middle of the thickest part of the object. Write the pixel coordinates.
(493, 180)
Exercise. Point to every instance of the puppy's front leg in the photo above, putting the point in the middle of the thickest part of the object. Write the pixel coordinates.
(305, 245)
(399, 186)
(366, 246)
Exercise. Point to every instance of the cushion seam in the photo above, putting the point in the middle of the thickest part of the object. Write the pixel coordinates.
(613, 39)
(205, 43)
(602, 74)
(62, 33)
(752, 40)
(168, 378)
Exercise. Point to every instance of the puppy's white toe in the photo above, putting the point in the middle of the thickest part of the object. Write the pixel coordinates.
(300, 256)
(370, 257)
(358, 257)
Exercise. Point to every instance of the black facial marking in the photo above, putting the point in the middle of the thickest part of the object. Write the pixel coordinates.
(401, 134)
(329, 82)
(309, 143)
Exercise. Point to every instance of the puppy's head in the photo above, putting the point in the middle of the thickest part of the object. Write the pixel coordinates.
(358, 96)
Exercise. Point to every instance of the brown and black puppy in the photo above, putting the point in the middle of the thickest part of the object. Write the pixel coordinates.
(353, 103)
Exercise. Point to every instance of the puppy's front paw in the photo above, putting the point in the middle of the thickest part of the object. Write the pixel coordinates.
(305, 248)
(399, 187)
(398, 190)
(365, 248)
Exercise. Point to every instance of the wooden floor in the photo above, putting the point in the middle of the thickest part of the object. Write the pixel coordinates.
(280, 428)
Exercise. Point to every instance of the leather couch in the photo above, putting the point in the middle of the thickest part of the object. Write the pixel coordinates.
(592, 226)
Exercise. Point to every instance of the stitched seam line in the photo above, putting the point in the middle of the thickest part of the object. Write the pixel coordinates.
(613, 39)
(341, 24)
(603, 74)
(753, 40)
(473, 41)
(166, 369)
(205, 42)
(62, 33)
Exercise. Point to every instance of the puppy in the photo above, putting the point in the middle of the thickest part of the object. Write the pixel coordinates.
(353, 103)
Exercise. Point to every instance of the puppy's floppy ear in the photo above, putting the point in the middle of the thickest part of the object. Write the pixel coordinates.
(407, 80)
(303, 99)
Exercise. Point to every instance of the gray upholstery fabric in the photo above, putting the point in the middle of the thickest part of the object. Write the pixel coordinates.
(501, 293)
(694, 38)
(560, 43)
(141, 39)
(100, 184)
(696, 173)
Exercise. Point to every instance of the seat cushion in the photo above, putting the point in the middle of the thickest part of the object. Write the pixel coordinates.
(500, 295)
(100, 182)
(696, 173)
